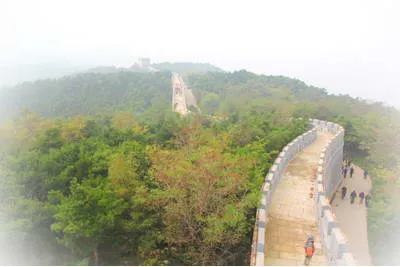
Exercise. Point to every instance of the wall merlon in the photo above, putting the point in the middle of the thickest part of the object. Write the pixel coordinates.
(266, 187)
(329, 221)
(320, 191)
(262, 219)
(323, 204)
(263, 202)
(279, 165)
(273, 169)
(319, 170)
(270, 178)
(261, 239)
(286, 149)
(321, 163)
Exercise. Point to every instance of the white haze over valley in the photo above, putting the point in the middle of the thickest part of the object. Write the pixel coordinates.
(347, 47)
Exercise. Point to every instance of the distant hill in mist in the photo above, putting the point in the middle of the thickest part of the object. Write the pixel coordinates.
(186, 67)
(12, 75)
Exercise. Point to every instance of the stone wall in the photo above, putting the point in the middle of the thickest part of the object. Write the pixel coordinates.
(328, 179)
(271, 181)
(330, 164)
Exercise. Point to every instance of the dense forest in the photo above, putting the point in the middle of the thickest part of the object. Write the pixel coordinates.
(11, 75)
(88, 94)
(115, 191)
(181, 67)
(96, 169)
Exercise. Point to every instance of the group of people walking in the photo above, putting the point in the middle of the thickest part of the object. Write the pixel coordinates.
(353, 196)
(347, 167)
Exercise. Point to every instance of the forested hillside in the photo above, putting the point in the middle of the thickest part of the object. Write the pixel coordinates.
(88, 94)
(372, 136)
(105, 173)
(113, 191)
(113, 69)
(181, 67)
(11, 75)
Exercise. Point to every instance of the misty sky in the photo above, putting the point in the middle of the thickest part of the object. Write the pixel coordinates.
(344, 46)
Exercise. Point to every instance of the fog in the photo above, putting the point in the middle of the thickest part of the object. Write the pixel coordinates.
(348, 47)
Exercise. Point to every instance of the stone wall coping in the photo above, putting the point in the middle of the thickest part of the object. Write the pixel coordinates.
(271, 180)
(336, 240)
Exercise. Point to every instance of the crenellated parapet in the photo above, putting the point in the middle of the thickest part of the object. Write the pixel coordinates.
(271, 181)
(329, 177)
(328, 180)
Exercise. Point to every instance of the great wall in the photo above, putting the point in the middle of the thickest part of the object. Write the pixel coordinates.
(296, 199)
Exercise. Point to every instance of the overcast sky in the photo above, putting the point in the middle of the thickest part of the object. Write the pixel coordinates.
(344, 46)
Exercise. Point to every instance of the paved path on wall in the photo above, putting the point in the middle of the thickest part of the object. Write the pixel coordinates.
(292, 212)
(353, 217)
(178, 94)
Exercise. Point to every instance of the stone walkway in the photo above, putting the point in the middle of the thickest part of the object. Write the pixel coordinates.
(292, 212)
(353, 217)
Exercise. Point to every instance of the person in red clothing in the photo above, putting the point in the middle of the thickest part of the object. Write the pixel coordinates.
(309, 250)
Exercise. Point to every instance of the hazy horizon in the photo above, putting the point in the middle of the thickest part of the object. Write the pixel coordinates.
(346, 47)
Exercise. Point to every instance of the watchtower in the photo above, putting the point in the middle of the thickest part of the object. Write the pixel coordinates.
(144, 62)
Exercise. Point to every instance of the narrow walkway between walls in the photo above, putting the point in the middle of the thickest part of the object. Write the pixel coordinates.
(292, 212)
(352, 217)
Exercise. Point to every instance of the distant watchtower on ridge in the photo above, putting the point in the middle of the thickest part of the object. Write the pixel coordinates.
(144, 62)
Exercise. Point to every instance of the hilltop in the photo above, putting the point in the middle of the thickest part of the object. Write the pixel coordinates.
(186, 67)
(101, 115)
(13, 75)
(112, 89)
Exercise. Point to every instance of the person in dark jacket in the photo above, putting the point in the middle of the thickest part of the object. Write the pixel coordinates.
(365, 174)
(351, 171)
(345, 172)
(353, 195)
(344, 191)
(348, 163)
(361, 196)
